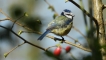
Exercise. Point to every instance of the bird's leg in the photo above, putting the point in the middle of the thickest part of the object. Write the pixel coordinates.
(62, 40)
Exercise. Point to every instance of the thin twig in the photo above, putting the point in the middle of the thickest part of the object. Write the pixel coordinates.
(90, 11)
(50, 47)
(4, 19)
(6, 54)
(84, 15)
(17, 20)
(72, 56)
(52, 7)
(80, 32)
(76, 41)
(28, 32)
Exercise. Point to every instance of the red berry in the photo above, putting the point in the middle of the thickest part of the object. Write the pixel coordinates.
(57, 51)
(68, 48)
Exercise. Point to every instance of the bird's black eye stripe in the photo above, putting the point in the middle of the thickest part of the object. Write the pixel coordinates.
(68, 14)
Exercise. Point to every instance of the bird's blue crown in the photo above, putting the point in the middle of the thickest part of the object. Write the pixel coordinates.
(66, 10)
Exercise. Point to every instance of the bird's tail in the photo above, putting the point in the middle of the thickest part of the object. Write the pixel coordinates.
(43, 35)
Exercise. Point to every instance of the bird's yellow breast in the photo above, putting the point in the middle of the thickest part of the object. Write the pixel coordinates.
(63, 31)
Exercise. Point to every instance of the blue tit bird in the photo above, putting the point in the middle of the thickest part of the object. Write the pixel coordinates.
(61, 25)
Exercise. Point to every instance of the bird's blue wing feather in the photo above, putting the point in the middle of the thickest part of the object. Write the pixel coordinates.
(44, 34)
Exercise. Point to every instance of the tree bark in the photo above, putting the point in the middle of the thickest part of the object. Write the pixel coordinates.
(98, 14)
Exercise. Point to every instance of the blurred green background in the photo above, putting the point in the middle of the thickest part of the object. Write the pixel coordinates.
(37, 11)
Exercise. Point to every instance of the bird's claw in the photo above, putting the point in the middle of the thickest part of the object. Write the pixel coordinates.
(62, 40)
(55, 39)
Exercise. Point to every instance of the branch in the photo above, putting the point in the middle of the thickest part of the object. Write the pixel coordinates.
(78, 46)
(3, 19)
(88, 14)
(23, 38)
(67, 42)
(104, 6)
(70, 43)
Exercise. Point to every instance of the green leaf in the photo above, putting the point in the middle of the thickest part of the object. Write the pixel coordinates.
(51, 7)
(20, 32)
(6, 54)
(38, 21)
(55, 15)
(26, 14)
(66, 1)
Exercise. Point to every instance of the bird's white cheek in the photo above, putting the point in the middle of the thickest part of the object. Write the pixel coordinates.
(69, 16)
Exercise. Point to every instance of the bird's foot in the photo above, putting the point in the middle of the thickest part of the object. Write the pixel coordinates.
(56, 39)
(62, 40)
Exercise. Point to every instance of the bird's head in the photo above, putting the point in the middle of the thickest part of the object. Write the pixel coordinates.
(67, 13)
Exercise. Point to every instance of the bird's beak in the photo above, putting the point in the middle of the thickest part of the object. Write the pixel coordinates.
(72, 14)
